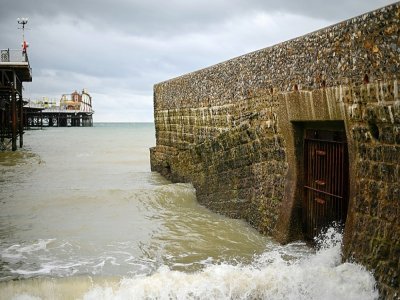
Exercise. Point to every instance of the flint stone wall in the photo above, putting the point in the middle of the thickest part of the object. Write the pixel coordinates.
(235, 129)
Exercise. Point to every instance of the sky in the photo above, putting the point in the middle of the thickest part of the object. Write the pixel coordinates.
(118, 49)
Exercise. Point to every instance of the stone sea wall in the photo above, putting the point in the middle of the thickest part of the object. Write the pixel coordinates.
(373, 225)
(229, 153)
(235, 130)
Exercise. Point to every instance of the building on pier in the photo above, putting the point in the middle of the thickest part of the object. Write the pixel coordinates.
(74, 110)
(14, 70)
(77, 101)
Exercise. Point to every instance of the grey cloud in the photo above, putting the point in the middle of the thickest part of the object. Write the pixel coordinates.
(118, 49)
(155, 17)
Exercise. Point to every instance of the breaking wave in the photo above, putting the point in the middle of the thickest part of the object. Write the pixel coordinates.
(286, 272)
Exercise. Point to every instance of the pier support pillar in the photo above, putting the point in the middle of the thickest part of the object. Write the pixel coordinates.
(21, 120)
(2, 125)
(14, 116)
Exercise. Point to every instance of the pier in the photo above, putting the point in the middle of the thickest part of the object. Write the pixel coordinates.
(74, 110)
(14, 70)
(56, 117)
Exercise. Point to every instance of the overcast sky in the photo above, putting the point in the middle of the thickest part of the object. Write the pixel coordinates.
(118, 49)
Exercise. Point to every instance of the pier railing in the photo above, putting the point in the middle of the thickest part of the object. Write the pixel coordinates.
(13, 56)
(16, 59)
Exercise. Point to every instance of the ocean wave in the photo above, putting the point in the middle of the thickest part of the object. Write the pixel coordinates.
(271, 276)
(312, 275)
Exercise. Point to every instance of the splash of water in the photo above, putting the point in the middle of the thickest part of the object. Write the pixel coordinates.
(271, 276)
(287, 272)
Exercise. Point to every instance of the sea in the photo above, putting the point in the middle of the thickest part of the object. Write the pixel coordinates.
(83, 217)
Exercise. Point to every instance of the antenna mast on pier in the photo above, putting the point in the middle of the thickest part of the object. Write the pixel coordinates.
(23, 22)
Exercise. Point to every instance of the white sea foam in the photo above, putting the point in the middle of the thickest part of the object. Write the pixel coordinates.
(286, 272)
(271, 276)
(40, 245)
(26, 297)
(19, 252)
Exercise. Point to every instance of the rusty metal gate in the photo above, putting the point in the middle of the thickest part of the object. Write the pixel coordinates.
(325, 180)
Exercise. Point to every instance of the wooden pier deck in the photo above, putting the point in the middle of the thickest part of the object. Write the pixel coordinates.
(55, 117)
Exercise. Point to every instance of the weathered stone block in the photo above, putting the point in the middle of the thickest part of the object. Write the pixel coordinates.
(391, 154)
(387, 135)
(393, 194)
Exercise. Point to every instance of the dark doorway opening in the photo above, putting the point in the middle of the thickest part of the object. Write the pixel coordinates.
(325, 177)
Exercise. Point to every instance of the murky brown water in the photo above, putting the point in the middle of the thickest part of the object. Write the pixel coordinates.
(82, 216)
